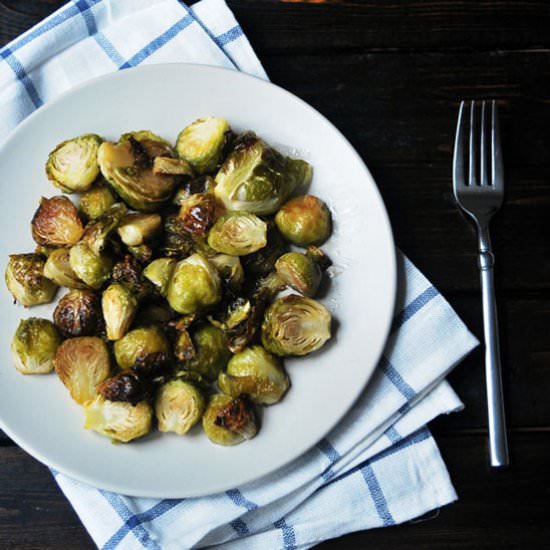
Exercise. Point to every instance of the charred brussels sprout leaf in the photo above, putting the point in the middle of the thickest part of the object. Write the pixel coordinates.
(118, 421)
(153, 146)
(202, 143)
(119, 309)
(197, 213)
(128, 386)
(178, 243)
(255, 178)
(34, 345)
(211, 352)
(319, 257)
(295, 325)
(140, 343)
(93, 269)
(300, 272)
(142, 253)
(128, 273)
(135, 229)
(98, 231)
(72, 165)
(159, 272)
(58, 269)
(195, 284)
(229, 421)
(26, 281)
(78, 313)
(173, 167)
(56, 222)
(96, 201)
(238, 234)
(178, 407)
(304, 220)
(82, 364)
(230, 269)
(256, 373)
(132, 179)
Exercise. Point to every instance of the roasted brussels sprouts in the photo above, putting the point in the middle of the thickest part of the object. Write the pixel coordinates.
(117, 420)
(256, 373)
(230, 269)
(159, 272)
(96, 201)
(228, 420)
(128, 386)
(26, 281)
(128, 273)
(82, 364)
(263, 261)
(131, 178)
(178, 407)
(56, 222)
(140, 343)
(97, 231)
(300, 272)
(304, 220)
(238, 234)
(58, 269)
(295, 325)
(257, 179)
(202, 184)
(119, 309)
(152, 314)
(34, 345)
(93, 269)
(211, 352)
(202, 143)
(78, 313)
(135, 229)
(197, 212)
(142, 253)
(72, 165)
(178, 243)
(173, 167)
(319, 257)
(195, 284)
(153, 145)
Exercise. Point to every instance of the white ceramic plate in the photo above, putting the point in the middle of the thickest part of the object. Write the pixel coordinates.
(37, 412)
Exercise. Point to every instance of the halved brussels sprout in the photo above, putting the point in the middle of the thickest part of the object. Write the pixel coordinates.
(82, 364)
(119, 309)
(304, 220)
(229, 421)
(72, 165)
(133, 180)
(263, 261)
(96, 201)
(26, 281)
(140, 343)
(93, 269)
(78, 313)
(58, 269)
(117, 420)
(295, 325)
(197, 213)
(202, 143)
(238, 234)
(195, 284)
(178, 407)
(128, 273)
(128, 386)
(135, 229)
(230, 269)
(56, 222)
(300, 272)
(154, 146)
(34, 345)
(173, 167)
(159, 272)
(255, 178)
(256, 373)
(97, 231)
(211, 352)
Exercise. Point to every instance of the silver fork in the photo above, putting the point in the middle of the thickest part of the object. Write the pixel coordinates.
(479, 190)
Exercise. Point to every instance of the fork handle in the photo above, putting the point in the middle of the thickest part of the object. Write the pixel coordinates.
(495, 401)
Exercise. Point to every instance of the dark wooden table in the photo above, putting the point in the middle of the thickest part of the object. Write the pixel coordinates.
(390, 75)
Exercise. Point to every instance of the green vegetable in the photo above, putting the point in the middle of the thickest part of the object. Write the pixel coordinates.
(93, 269)
(211, 352)
(119, 309)
(78, 313)
(159, 272)
(135, 229)
(26, 281)
(140, 343)
(238, 234)
(96, 201)
(300, 272)
(58, 269)
(56, 222)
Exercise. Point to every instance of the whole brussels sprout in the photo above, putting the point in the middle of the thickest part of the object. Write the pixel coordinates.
(82, 364)
(26, 281)
(153, 146)
(140, 343)
(131, 178)
(97, 231)
(228, 420)
(135, 229)
(96, 201)
(159, 272)
(34, 345)
(256, 373)
(128, 273)
(173, 167)
(58, 269)
(78, 313)
(238, 234)
(263, 261)
(202, 143)
(304, 220)
(119, 309)
(93, 269)
(257, 179)
(211, 352)
(117, 420)
(300, 272)
(295, 325)
(178, 407)
(56, 222)
(195, 284)
(197, 213)
(72, 165)
(230, 269)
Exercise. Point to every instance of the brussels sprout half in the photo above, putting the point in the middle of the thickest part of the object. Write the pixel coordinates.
(119, 307)
(300, 272)
(93, 269)
(96, 201)
(140, 343)
(56, 222)
(211, 352)
(58, 269)
(135, 229)
(230, 269)
(153, 145)
(34, 345)
(159, 272)
(78, 313)
(238, 234)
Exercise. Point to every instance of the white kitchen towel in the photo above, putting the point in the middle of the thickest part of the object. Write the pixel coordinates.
(380, 466)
